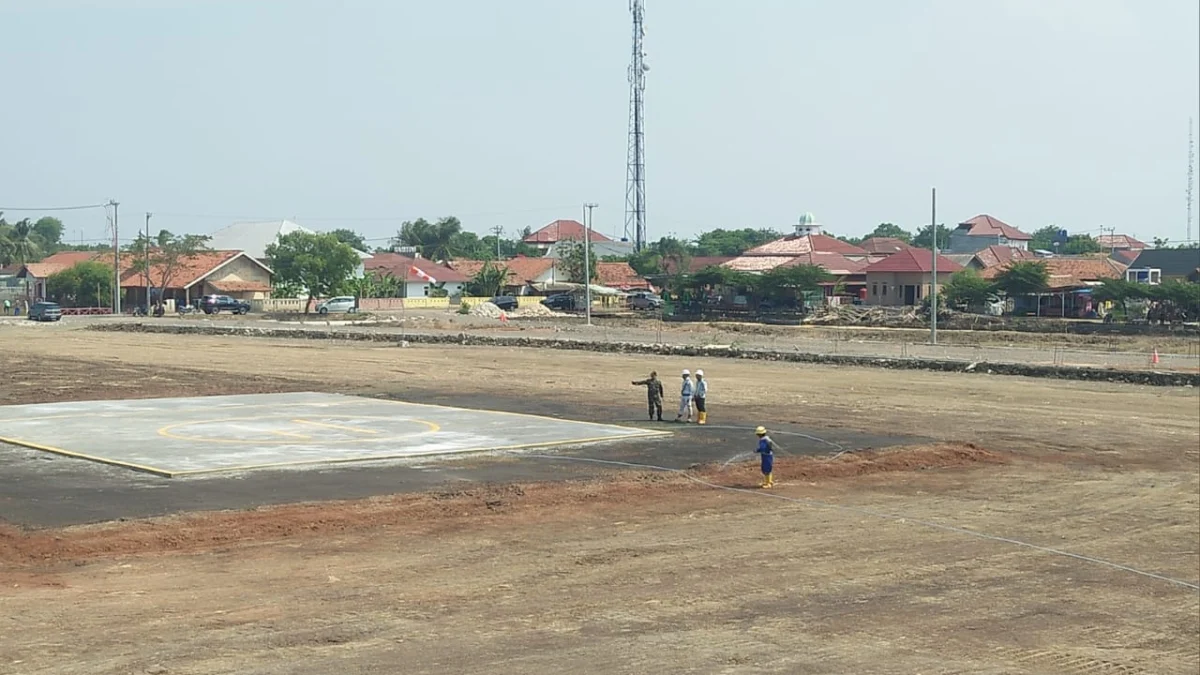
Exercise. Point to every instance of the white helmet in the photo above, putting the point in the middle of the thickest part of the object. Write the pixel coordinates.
(687, 373)
(699, 373)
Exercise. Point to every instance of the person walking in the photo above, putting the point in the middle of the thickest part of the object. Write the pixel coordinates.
(699, 397)
(766, 450)
(654, 394)
(685, 398)
(7, 307)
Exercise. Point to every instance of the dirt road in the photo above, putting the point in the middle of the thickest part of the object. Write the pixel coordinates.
(644, 572)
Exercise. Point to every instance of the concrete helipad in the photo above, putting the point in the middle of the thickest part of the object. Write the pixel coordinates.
(190, 436)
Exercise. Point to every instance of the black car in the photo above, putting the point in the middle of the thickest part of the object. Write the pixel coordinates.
(561, 302)
(505, 302)
(215, 304)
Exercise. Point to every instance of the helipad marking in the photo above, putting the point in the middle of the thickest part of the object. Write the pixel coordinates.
(169, 431)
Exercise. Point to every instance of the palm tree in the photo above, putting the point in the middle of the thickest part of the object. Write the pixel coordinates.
(22, 242)
(433, 240)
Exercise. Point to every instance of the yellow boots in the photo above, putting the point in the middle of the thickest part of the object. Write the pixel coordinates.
(702, 418)
(768, 481)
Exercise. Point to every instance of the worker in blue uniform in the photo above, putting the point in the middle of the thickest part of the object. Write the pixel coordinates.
(766, 450)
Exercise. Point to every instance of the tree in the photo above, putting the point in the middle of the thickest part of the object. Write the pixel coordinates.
(49, 233)
(966, 289)
(488, 282)
(790, 282)
(1118, 291)
(433, 240)
(891, 231)
(721, 242)
(351, 238)
(924, 237)
(647, 262)
(468, 245)
(572, 261)
(1044, 238)
(164, 255)
(1026, 277)
(673, 251)
(1078, 244)
(87, 284)
(317, 262)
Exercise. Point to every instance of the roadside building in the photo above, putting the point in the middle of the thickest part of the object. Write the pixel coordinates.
(906, 278)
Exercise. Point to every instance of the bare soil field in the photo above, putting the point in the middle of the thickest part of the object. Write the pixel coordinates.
(847, 567)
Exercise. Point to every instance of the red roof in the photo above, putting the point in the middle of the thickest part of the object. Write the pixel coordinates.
(521, 269)
(63, 260)
(697, 263)
(998, 254)
(1119, 241)
(883, 245)
(619, 275)
(987, 226)
(793, 245)
(562, 230)
(399, 266)
(187, 271)
(913, 260)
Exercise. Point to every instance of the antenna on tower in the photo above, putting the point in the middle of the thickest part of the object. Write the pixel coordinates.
(1191, 177)
(635, 175)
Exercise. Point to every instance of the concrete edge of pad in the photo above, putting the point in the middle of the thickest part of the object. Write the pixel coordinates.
(142, 468)
(1151, 378)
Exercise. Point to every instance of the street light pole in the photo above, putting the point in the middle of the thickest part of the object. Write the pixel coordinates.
(146, 244)
(933, 295)
(587, 262)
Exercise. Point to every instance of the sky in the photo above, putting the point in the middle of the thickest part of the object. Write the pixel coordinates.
(510, 114)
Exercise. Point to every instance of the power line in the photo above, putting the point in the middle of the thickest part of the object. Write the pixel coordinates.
(54, 208)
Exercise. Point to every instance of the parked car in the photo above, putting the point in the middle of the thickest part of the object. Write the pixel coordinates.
(343, 304)
(645, 300)
(505, 302)
(560, 301)
(45, 311)
(215, 304)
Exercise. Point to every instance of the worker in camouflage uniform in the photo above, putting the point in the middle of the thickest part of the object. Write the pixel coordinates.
(654, 395)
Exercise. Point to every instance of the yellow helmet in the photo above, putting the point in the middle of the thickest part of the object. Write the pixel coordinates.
(761, 431)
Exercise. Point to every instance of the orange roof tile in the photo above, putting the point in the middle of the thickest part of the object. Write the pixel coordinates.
(913, 260)
(619, 275)
(883, 245)
(986, 226)
(562, 230)
(1001, 255)
(794, 245)
(400, 266)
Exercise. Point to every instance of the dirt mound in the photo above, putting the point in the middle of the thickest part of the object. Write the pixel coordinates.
(443, 511)
(487, 309)
(536, 309)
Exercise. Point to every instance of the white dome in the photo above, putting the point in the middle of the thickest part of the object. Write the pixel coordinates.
(807, 219)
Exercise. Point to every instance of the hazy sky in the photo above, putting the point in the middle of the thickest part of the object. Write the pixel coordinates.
(513, 113)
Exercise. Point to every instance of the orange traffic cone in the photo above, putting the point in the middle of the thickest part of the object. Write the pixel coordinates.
(1154, 357)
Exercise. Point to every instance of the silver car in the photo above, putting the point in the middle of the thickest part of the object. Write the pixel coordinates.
(343, 304)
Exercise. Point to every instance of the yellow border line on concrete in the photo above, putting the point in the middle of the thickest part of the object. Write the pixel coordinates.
(382, 458)
(91, 458)
(166, 432)
(158, 412)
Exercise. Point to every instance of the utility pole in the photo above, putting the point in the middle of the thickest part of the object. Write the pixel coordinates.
(116, 260)
(146, 244)
(933, 293)
(1191, 178)
(498, 231)
(587, 261)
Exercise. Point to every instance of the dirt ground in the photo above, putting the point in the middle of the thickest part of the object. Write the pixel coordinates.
(636, 571)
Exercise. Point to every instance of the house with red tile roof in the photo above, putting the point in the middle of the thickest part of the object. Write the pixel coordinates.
(523, 271)
(835, 255)
(561, 230)
(418, 276)
(1119, 242)
(877, 246)
(231, 273)
(621, 276)
(906, 278)
(695, 263)
(983, 231)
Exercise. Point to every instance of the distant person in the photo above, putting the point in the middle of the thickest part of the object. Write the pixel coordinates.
(766, 450)
(699, 396)
(654, 394)
(685, 398)
(7, 307)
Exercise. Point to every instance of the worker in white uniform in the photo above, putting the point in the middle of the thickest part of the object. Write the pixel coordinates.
(685, 399)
